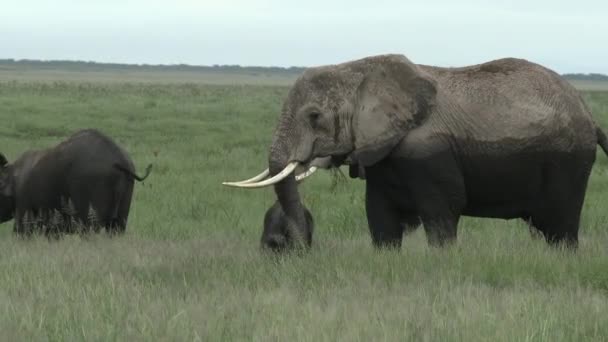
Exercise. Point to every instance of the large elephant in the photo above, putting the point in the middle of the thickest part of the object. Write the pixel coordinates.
(55, 187)
(504, 139)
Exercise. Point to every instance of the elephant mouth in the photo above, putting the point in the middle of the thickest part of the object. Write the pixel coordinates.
(339, 160)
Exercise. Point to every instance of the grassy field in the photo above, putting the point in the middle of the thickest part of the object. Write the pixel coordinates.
(189, 266)
(589, 85)
(76, 72)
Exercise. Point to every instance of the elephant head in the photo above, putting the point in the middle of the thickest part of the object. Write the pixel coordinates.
(7, 197)
(357, 111)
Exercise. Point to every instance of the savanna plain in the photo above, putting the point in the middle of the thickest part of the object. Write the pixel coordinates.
(189, 267)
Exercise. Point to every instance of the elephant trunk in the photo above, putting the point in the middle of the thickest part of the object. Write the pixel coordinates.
(287, 189)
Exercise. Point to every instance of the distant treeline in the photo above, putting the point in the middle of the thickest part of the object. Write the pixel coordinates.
(95, 66)
(586, 77)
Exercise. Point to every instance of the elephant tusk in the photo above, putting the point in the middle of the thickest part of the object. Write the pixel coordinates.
(257, 178)
(270, 181)
(306, 174)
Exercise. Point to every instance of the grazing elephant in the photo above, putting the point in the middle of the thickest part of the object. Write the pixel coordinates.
(277, 236)
(86, 171)
(504, 139)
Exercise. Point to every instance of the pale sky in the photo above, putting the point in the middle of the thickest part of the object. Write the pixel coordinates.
(565, 35)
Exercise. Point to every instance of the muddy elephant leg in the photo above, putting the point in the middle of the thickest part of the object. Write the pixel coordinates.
(27, 222)
(77, 205)
(439, 213)
(559, 220)
(22, 226)
(535, 233)
(120, 222)
(439, 206)
(558, 227)
(382, 218)
(440, 196)
(558, 216)
(440, 224)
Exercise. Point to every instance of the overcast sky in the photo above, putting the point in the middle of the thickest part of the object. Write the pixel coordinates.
(567, 37)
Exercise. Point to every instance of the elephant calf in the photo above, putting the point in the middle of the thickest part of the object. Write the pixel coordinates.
(276, 235)
(54, 187)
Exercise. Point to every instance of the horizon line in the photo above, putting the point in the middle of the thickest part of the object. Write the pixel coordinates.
(289, 68)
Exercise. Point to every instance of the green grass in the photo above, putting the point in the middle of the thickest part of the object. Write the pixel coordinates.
(189, 266)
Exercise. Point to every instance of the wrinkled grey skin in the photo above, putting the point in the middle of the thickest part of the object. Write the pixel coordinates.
(276, 235)
(504, 139)
(86, 171)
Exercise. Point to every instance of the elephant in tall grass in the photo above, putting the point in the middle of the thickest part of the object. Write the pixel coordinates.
(503, 139)
(276, 235)
(85, 178)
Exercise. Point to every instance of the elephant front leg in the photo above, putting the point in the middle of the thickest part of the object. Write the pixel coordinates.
(24, 223)
(383, 218)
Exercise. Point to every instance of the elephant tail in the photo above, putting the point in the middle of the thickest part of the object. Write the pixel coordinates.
(132, 174)
(602, 140)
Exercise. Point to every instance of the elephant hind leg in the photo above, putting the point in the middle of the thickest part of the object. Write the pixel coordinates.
(559, 211)
(558, 229)
(559, 220)
(535, 233)
(119, 224)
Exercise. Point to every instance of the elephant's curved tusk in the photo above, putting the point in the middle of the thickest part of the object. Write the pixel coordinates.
(267, 182)
(257, 178)
(306, 174)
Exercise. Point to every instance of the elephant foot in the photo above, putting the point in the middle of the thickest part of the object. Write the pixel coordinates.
(440, 235)
(388, 244)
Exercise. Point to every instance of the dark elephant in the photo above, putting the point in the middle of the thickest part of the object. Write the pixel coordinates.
(277, 235)
(504, 139)
(87, 179)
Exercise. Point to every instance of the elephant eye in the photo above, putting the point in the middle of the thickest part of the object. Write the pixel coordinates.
(314, 118)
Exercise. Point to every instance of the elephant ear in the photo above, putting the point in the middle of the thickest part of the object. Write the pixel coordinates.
(393, 98)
